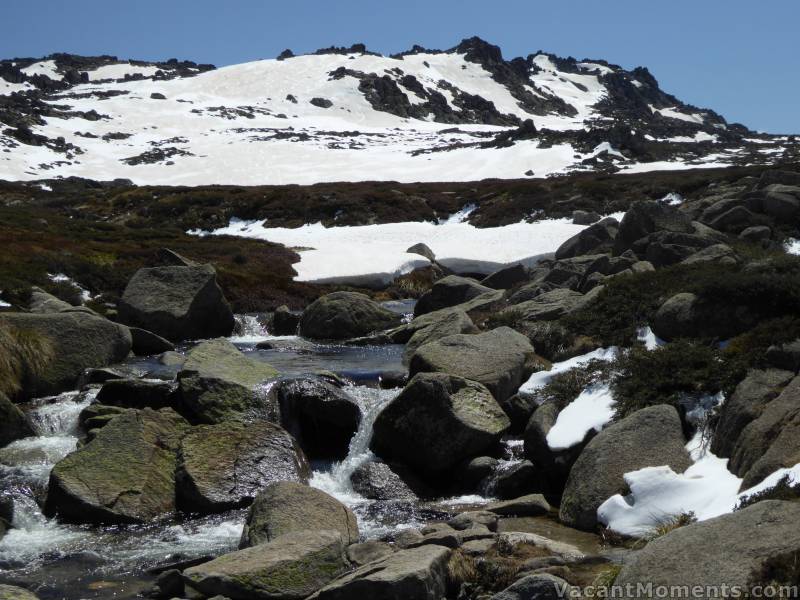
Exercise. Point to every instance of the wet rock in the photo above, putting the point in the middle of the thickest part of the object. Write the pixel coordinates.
(13, 424)
(321, 417)
(450, 418)
(474, 519)
(517, 480)
(699, 554)
(139, 393)
(411, 574)
(506, 278)
(284, 321)
(147, 343)
(224, 466)
(531, 505)
(501, 359)
(67, 343)
(380, 481)
(649, 437)
(290, 567)
(367, 552)
(449, 291)
(218, 383)
(177, 303)
(126, 474)
(344, 315)
(472, 473)
(288, 507)
(93, 376)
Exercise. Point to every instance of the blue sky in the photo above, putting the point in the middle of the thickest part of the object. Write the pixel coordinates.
(741, 58)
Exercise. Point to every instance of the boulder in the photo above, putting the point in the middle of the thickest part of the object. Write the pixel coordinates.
(516, 480)
(290, 567)
(66, 344)
(410, 574)
(13, 423)
(734, 220)
(718, 253)
(219, 383)
(367, 552)
(763, 536)
(647, 438)
(782, 202)
(532, 505)
(449, 291)
(380, 481)
(530, 291)
(756, 233)
(320, 416)
(501, 359)
(548, 306)
(450, 418)
(139, 393)
(177, 303)
(584, 217)
(147, 343)
(284, 321)
(12, 592)
(472, 474)
(541, 586)
(41, 302)
(506, 278)
(126, 474)
(433, 326)
(286, 507)
(343, 315)
(170, 258)
(685, 315)
(595, 239)
(224, 466)
(785, 356)
(644, 218)
(423, 250)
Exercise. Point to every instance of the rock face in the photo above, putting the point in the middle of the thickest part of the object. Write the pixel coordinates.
(344, 315)
(13, 424)
(218, 383)
(501, 359)
(287, 507)
(71, 342)
(320, 416)
(412, 574)
(449, 291)
(178, 303)
(126, 474)
(700, 554)
(290, 567)
(450, 418)
(224, 466)
(649, 437)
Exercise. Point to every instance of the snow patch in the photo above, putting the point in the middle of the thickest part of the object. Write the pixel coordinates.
(542, 378)
(592, 409)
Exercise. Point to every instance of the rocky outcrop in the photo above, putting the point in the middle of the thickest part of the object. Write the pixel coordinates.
(501, 359)
(450, 418)
(126, 474)
(411, 574)
(13, 424)
(320, 416)
(763, 535)
(219, 383)
(224, 466)
(647, 438)
(344, 315)
(449, 291)
(66, 344)
(290, 567)
(177, 303)
(288, 507)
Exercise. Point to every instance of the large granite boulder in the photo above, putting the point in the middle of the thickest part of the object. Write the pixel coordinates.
(501, 359)
(177, 303)
(219, 383)
(595, 239)
(224, 466)
(649, 437)
(449, 418)
(644, 218)
(285, 507)
(344, 315)
(290, 567)
(449, 291)
(126, 474)
(411, 574)
(432, 326)
(747, 548)
(380, 481)
(685, 315)
(548, 306)
(65, 344)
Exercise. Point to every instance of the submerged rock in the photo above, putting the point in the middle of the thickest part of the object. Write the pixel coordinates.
(287, 507)
(344, 315)
(177, 303)
(224, 466)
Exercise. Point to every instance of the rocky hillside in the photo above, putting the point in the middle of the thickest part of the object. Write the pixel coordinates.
(347, 114)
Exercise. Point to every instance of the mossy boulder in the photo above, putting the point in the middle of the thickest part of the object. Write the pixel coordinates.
(344, 315)
(126, 474)
(177, 303)
(285, 507)
(449, 418)
(501, 359)
(219, 383)
(290, 567)
(13, 424)
(224, 466)
(430, 327)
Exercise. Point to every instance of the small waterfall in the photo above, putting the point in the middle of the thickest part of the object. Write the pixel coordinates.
(249, 330)
(58, 416)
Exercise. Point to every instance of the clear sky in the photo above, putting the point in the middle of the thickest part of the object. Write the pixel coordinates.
(738, 57)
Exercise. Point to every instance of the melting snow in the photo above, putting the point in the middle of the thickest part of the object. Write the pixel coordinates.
(542, 378)
(592, 409)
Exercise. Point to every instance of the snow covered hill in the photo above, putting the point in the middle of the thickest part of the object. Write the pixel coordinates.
(345, 114)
